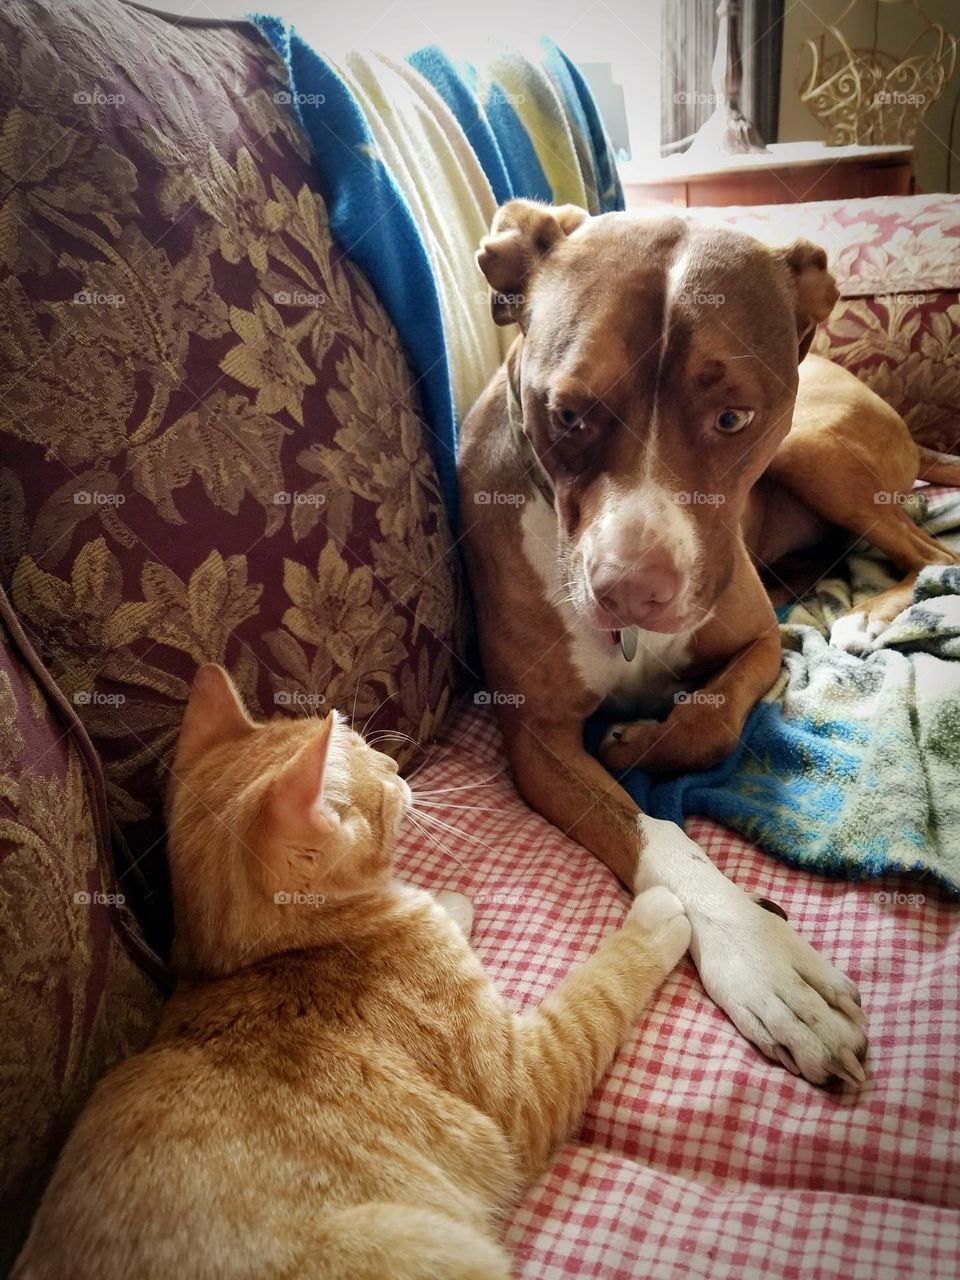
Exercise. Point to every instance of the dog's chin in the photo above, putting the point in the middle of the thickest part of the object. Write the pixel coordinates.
(667, 621)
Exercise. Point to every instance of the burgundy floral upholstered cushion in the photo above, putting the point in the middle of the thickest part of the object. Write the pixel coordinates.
(211, 447)
(897, 324)
(74, 997)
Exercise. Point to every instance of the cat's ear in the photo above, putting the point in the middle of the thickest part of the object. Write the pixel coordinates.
(214, 715)
(296, 797)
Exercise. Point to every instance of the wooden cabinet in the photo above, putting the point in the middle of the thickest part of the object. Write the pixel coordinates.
(787, 174)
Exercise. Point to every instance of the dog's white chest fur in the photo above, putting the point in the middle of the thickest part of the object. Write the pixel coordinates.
(642, 687)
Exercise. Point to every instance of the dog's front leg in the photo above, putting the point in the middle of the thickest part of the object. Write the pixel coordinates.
(703, 727)
(778, 991)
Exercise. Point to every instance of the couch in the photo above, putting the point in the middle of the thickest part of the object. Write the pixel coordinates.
(213, 450)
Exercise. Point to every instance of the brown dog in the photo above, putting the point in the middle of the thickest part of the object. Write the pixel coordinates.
(622, 477)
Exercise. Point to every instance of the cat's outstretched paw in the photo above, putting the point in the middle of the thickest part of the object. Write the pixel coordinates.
(458, 907)
(660, 914)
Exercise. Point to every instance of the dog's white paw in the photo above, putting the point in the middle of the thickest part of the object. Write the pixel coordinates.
(779, 992)
(784, 997)
(856, 632)
(458, 907)
(660, 914)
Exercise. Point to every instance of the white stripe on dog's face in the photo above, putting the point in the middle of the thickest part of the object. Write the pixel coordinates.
(673, 283)
(643, 515)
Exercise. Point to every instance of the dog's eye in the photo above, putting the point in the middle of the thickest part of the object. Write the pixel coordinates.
(569, 419)
(730, 421)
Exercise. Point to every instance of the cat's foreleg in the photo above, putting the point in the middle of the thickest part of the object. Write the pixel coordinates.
(565, 1046)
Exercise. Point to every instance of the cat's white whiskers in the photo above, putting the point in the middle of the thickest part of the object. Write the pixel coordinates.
(440, 793)
(419, 769)
(448, 827)
(421, 804)
(356, 695)
(385, 735)
(433, 792)
(376, 710)
(435, 839)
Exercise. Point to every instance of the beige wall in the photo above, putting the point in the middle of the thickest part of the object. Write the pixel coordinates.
(625, 33)
(898, 24)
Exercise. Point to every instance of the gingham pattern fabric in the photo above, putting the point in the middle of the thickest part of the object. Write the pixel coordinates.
(697, 1157)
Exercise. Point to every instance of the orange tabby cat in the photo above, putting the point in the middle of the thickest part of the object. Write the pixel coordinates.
(336, 1089)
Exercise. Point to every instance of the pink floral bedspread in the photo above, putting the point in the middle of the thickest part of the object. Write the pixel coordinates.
(698, 1157)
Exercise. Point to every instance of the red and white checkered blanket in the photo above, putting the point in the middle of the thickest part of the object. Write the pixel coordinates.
(698, 1157)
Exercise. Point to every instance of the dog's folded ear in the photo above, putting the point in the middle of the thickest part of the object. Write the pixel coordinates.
(523, 232)
(814, 288)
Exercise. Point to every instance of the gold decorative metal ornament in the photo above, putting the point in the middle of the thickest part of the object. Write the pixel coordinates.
(872, 97)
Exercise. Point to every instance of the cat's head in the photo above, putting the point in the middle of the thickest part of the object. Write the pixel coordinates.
(271, 827)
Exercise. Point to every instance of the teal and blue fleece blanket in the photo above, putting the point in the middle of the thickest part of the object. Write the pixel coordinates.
(850, 765)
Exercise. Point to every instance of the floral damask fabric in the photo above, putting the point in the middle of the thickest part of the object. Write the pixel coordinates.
(211, 448)
(897, 324)
(904, 346)
(74, 999)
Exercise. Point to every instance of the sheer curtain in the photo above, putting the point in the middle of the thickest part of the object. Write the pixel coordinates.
(688, 39)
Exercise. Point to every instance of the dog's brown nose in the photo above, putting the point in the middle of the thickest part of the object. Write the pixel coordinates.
(636, 596)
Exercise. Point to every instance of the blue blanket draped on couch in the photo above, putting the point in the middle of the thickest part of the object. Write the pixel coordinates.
(531, 125)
